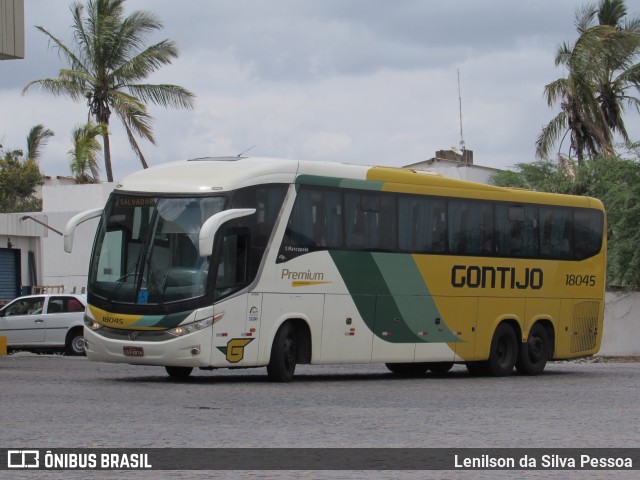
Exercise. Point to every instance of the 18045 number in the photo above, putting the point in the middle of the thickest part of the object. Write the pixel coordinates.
(580, 280)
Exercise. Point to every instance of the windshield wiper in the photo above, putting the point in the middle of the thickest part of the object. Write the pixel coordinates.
(133, 271)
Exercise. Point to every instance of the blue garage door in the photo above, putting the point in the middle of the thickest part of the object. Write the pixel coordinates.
(9, 273)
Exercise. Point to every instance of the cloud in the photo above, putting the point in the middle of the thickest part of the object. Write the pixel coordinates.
(360, 81)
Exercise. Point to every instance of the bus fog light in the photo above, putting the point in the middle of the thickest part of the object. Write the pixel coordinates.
(195, 351)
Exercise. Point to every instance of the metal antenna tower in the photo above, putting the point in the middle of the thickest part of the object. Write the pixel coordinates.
(460, 110)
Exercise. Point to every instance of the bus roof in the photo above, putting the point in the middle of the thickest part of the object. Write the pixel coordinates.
(213, 174)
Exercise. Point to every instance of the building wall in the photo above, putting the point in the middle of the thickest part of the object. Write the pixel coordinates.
(457, 170)
(41, 233)
(11, 29)
(59, 204)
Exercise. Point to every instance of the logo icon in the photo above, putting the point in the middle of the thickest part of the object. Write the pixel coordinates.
(23, 458)
(235, 349)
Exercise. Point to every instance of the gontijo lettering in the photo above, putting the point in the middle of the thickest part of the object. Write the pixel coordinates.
(472, 276)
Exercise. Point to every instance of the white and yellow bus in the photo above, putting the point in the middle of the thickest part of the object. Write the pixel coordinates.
(249, 262)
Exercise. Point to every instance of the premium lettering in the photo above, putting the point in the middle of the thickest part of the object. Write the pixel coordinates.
(308, 275)
(512, 278)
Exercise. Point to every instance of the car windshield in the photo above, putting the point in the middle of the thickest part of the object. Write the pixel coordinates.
(146, 249)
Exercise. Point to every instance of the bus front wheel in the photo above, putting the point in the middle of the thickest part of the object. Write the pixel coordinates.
(504, 351)
(284, 355)
(534, 353)
(179, 372)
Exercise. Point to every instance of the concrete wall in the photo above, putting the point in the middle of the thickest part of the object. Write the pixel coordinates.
(621, 336)
(60, 203)
(60, 267)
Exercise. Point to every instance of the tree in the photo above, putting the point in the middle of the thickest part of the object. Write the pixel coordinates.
(20, 175)
(612, 179)
(602, 67)
(107, 65)
(85, 152)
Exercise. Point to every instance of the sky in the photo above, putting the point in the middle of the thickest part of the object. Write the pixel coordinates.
(356, 81)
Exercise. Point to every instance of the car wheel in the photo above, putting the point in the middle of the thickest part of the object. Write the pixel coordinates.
(75, 343)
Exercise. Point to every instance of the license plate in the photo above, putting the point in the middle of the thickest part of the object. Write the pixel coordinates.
(133, 351)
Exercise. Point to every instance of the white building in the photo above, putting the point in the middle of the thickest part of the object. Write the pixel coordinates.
(31, 244)
(458, 165)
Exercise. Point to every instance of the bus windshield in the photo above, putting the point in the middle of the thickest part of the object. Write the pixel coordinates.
(146, 249)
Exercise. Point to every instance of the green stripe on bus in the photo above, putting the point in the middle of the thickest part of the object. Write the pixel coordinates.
(412, 298)
(403, 306)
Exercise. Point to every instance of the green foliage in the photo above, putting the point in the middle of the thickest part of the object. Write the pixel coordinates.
(602, 72)
(615, 181)
(542, 176)
(19, 178)
(85, 152)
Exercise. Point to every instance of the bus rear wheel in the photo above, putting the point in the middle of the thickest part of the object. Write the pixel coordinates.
(179, 372)
(534, 353)
(284, 355)
(504, 351)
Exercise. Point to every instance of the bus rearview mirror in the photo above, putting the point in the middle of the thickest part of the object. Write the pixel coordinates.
(213, 223)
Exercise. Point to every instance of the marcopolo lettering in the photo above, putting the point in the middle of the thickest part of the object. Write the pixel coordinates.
(473, 276)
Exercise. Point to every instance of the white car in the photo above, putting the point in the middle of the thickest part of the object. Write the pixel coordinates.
(45, 323)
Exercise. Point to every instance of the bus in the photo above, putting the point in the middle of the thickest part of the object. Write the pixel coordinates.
(251, 262)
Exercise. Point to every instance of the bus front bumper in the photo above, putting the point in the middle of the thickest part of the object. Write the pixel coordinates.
(192, 350)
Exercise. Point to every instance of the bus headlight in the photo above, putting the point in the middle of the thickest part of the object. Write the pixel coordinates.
(191, 327)
(91, 324)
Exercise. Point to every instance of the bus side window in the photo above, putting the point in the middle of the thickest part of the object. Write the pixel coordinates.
(556, 233)
(587, 226)
(232, 271)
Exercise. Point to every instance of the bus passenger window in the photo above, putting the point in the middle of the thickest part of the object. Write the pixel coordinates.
(232, 271)
(587, 226)
(556, 233)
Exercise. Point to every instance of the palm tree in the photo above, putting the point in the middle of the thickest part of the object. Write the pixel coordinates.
(107, 66)
(36, 139)
(85, 152)
(602, 69)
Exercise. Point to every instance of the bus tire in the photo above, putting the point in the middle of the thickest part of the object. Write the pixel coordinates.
(179, 372)
(504, 351)
(440, 368)
(408, 369)
(534, 353)
(284, 354)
